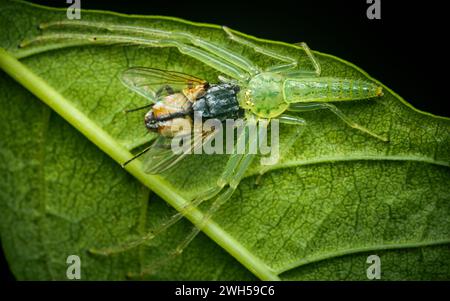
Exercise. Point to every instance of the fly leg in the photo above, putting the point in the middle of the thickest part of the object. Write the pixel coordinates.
(139, 108)
(305, 107)
(290, 62)
(165, 88)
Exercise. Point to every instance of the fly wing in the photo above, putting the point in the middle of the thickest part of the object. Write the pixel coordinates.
(160, 157)
(151, 83)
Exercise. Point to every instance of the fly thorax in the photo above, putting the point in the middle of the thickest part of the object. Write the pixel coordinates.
(219, 102)
(264, 95)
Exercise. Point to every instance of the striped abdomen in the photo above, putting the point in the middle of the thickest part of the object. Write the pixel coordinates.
(325, 89)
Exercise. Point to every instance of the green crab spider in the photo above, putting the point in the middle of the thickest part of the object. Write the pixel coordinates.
(266, 94)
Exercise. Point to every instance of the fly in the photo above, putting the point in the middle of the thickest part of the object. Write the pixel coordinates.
(175, 98)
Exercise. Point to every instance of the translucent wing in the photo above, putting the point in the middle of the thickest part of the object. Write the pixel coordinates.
(160, 157)
(151, 83)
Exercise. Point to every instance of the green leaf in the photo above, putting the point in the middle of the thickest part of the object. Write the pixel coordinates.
(336, 197)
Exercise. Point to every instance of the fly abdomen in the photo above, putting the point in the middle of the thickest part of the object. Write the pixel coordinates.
(326, 89)
(170, 116)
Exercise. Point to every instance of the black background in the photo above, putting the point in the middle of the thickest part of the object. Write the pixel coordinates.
(404, 50)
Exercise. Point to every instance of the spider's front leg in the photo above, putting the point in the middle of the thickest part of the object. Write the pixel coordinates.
(306, 107)
(216, 56)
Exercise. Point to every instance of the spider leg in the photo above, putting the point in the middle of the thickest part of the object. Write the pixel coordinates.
(218, 202)
(232, 170)
(291, 120)
(52, 41)
(233, 162)
(233, 174)
(290, 62)
(150, 235)
(219, 51)
(304, 107)
(311, 57)
(211, 54)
